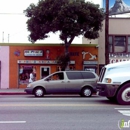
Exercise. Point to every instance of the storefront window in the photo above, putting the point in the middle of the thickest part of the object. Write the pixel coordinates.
(110, 44)
(119, 44)
(24, 73)
(128, 44)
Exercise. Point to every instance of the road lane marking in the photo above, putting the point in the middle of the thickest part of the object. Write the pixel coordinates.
(8, 122)
(122, 108)
(124, 111)
(55, 105)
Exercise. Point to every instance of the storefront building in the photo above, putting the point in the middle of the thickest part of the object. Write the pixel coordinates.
(118, 34)
(119, 41)
(41, 58)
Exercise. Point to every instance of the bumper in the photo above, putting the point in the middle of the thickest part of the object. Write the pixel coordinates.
(107, 90)
(29, 90)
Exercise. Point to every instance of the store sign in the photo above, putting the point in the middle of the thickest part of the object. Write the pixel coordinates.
(90, 62)
(119, 57)
(114, 60)
(36, 61)
(33, 52)
(40, 62)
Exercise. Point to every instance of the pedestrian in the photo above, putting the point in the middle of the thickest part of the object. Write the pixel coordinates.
(31, 79)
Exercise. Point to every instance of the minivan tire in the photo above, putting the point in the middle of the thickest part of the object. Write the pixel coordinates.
(86, 92)
(39, 92)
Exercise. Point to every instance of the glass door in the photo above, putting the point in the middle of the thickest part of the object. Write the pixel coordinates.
(45, 71)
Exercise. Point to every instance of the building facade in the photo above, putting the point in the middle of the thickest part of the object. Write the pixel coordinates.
(119, 41)
(18, 60)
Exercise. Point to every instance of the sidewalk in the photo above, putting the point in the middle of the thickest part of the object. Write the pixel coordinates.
(17, 91)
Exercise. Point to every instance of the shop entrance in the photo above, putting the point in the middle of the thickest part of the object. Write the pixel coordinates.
(45, 71)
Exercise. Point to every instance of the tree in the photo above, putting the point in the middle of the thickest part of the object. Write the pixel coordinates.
(62, 61)
(70, 17)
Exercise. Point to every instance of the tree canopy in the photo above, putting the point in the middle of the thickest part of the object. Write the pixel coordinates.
(70, 17)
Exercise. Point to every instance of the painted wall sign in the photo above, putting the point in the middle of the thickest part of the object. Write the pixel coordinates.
(90, 62)
(119, 8)
(17, 53)
(114, 60)
(119, 55)
(92, 57)
(40, 62)
(36, 61)
(33, 52)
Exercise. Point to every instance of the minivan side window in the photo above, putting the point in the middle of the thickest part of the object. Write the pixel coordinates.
(56, 76)
(60, 75)
(88, 75)
(74, 75)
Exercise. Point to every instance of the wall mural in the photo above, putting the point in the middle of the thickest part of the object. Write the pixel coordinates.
(118, 7)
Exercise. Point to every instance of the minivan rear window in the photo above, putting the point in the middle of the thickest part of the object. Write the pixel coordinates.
(88, 75)
(74, 75)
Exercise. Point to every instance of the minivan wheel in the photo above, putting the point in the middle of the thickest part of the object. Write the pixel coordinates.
(86, 92)
(39, 92)
(123, 95)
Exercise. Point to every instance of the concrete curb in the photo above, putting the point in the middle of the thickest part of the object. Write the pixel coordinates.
(12, 92)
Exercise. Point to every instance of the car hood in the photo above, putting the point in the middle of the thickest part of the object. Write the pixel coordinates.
(37, 82)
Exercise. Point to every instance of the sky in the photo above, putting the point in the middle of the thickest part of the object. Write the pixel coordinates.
(13, 27)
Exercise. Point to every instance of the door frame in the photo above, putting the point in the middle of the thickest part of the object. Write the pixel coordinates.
(44, 67)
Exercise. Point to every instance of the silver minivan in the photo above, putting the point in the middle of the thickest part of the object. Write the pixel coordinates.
(65, 82)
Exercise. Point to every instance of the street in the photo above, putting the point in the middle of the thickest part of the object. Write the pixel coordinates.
(56, 112)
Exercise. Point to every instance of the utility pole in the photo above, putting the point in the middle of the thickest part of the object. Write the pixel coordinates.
(107, 33)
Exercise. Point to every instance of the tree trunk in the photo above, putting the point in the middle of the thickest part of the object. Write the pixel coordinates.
(67, 45)
(66, 54)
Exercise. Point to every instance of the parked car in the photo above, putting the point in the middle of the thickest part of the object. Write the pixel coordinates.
(65, 82)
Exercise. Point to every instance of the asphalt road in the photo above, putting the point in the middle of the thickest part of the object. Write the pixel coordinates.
(25, 112)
